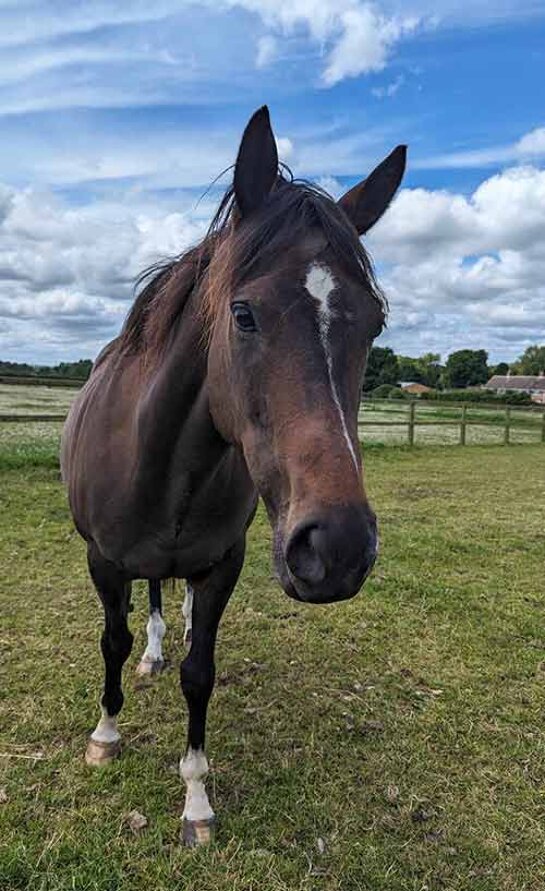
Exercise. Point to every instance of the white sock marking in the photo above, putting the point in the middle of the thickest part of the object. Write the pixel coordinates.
(319, 284)
(187, 612)
(106, 730)
(194, 770)
(156, 629)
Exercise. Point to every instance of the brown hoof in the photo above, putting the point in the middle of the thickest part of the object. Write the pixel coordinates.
(198, 832)
(150, 669)
(99, 754)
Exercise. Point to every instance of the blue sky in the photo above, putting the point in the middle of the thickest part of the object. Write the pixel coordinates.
(115, 120)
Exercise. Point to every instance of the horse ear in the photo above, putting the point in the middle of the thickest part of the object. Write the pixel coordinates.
(256, 168)
(365, 203)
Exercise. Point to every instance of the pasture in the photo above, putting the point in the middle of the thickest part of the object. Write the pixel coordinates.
(381, 421)
(394, 742)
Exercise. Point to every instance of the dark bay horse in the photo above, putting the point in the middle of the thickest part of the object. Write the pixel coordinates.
(237, 374)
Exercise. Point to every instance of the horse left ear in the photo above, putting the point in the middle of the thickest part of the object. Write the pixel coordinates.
(365, 203)
(256, 168)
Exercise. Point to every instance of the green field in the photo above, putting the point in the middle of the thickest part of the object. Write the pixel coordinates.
(392, 742)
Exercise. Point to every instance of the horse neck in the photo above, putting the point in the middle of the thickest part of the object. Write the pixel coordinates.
(175, 399)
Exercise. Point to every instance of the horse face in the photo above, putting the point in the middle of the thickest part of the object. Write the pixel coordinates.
(297, 347)
(286, 363)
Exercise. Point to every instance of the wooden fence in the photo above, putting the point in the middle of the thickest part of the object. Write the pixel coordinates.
(508, 420)
(462, 421)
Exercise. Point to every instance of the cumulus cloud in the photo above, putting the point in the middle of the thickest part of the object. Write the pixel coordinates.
(474, 266)
(67, 274)
(458, 270)
(356, 36)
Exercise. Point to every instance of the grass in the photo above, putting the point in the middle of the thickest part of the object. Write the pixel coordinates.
(23, 399)
(393, 742)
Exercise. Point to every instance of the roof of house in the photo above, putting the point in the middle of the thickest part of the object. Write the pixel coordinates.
(516, 382)
(415, 387)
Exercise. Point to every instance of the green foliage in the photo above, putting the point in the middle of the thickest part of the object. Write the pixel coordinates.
(382, 368)
(383, 391)
(425, 369)
(79, 370)
(482, 396)
(532, 361)
(502, 369)
(466, 368)
(398, 393)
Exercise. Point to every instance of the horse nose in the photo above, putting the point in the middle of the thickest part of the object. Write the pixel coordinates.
(305, 554)
(329, 558)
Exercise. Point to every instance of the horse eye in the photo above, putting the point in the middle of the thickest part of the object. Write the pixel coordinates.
(243, 317)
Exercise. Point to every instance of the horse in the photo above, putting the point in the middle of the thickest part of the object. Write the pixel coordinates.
(236, 375)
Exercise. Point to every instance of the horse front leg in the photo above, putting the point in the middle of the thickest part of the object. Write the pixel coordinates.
(116, 642)
(211, 591)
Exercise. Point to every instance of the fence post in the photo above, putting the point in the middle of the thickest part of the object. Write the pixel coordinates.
(463, 426)
(543, 426)
(507, 425)
(411, 422)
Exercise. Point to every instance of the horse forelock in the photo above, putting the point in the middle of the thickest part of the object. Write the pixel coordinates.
(232, 252)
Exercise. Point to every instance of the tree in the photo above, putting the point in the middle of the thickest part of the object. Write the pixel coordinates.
(425, 369)
(532, 360)
(466, 368)
(382, 368)
(410, 370)
(502, 368)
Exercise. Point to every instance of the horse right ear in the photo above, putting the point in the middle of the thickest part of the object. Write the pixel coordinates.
(365, 203)
(256, 168)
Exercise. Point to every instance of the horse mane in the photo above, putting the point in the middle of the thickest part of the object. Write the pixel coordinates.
(230, 252)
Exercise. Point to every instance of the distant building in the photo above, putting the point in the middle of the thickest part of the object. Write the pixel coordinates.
(415, 388)
(533, 384)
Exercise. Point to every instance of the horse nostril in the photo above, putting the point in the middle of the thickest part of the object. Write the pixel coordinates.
(303, 555)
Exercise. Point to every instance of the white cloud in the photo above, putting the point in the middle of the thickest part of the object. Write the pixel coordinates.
(474, 266)
(67, 274)
(267, 51)
(458, 270)
(390, 89)
(356, 36)
(285, 148)
(365, 43)
(532, 144)
(529, 147)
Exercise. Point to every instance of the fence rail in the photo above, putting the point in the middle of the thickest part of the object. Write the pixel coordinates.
(503, 419)
(462, 421)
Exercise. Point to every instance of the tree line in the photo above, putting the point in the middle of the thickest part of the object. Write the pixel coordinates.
(463, 368)
(79, 370)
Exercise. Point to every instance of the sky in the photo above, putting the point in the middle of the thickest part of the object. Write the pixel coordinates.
(116, 118)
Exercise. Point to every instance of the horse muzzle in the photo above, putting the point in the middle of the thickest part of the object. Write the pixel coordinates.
(328, 556)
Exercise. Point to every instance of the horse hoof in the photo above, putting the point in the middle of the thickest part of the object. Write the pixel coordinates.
(187, 637)
(146, 668)
(198, 832)
(98, 754)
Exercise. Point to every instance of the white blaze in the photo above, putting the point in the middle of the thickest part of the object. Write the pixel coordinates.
(320, 284)
(194, 770)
